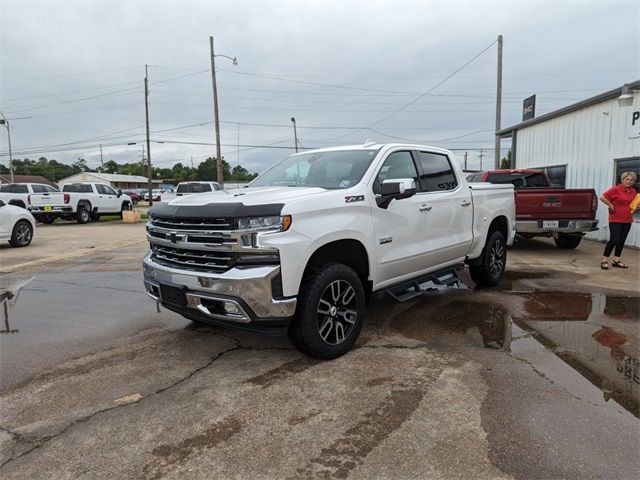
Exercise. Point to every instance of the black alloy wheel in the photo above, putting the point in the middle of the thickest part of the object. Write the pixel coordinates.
(489, 270)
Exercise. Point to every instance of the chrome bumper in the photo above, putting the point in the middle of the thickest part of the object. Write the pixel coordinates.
(54, 210)
(564, 227)
(238, 296)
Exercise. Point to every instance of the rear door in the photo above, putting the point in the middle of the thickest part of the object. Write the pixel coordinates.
(109, 198)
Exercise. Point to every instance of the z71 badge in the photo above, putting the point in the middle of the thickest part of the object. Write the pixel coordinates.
(354, 198)
(386, 240)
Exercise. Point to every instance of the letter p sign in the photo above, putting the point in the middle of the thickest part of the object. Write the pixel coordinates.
(635, 117)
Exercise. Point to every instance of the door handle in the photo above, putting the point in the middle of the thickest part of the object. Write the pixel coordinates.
(465, 203)
(424, 207)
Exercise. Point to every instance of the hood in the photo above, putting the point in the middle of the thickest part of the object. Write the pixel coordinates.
(249, 196)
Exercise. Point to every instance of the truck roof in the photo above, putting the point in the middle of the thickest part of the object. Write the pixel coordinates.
(377, 146)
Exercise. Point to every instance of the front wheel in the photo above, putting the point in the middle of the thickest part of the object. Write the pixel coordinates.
(330, 311)
(567, 241)
(493, 261)
(22, 234)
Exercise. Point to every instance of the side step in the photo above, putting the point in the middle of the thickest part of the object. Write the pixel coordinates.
(430, 283)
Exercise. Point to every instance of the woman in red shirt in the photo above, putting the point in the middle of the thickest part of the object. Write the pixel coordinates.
(617, 199)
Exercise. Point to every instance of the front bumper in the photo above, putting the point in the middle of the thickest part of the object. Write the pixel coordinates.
(238, 298)
(557, 227)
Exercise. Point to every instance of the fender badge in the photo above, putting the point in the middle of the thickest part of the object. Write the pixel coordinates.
(386, 240)
(354, 198)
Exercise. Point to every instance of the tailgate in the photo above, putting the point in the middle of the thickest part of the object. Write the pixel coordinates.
(553, 203)
(47, 199)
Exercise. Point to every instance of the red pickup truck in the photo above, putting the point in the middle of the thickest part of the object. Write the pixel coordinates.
(546, 211)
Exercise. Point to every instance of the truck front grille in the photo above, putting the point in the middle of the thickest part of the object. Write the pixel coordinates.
(193, 223)
(198, 260)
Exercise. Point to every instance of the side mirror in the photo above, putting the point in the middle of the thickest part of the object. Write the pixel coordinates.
(2, 204)
(119, 192)
(395, 189)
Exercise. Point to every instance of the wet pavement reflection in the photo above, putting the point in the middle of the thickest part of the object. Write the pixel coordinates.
(593, 333)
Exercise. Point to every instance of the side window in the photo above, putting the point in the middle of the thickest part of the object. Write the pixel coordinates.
(101, 190)
(437, 173)
(49, 189)
(108, 190)
(397, 165)
(38, 188)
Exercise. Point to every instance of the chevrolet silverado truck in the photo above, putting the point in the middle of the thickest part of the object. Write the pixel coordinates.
(79, 201)
(18, 194)
(301, 250)
(546, 211)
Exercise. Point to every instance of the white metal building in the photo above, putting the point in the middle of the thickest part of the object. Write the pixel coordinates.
(114, 180)
(585, 145)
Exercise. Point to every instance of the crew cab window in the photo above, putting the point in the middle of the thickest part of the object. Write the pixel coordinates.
(108, 190)
(38, 188)
(193, 188)
(49, 189)
(14, 188)
(397, 165)
(437, 173)
(77, 188)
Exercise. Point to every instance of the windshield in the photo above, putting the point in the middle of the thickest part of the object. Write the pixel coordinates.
(331, 170)
(193, 188)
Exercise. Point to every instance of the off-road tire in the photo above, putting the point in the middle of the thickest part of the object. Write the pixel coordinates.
(83, 215)
(493, 261)
(95, 216)
(125, 206)
(22, 234)
(324, 325)
(567, 242)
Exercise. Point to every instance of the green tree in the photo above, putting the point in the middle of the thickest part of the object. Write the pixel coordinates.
(505, 163)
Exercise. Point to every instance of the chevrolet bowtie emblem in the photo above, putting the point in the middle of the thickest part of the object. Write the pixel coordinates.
(175, 238)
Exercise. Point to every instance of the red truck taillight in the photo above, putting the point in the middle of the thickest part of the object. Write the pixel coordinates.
(67, 198)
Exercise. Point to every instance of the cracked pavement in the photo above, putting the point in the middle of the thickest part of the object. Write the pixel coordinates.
(483, 384)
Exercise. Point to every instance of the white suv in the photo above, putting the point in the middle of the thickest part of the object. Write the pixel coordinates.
(16, 225)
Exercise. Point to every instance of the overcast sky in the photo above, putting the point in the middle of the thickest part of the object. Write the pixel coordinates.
(72, 73)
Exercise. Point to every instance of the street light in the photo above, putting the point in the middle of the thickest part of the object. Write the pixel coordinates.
(215, 108)
(5, 122)
(295, 132)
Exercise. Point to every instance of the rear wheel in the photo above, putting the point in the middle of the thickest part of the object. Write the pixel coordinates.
(125, 206)
(567, 241)
(330, 312)
(83, 215)
(22, 234)
(493, 261)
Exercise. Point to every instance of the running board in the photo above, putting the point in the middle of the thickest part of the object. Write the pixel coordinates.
(430, 283)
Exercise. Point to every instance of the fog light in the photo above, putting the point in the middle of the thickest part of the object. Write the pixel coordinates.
(232, 308)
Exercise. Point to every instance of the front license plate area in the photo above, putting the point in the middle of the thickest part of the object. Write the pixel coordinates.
(550, 224)
(173, 295)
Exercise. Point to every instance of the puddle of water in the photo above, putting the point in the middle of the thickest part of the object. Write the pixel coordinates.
(595, 334)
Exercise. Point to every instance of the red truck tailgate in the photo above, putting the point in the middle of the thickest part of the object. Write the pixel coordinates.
(553, 203)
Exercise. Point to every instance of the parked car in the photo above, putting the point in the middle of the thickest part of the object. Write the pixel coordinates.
(191, 188)
(156, 195)
(546, 211)
(17, 225)
(79, 201)
(135, 196)
(18, 193)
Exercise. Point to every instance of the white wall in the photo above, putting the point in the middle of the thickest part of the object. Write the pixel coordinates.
(587, 141)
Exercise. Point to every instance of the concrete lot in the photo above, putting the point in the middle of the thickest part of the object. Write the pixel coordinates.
(536, 378)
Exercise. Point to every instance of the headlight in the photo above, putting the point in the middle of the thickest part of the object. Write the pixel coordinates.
(265, 223)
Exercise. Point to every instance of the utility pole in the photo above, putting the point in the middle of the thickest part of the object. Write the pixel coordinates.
(215, 115)
(465, 160)
(238, 174)
(295, 132)
(481, 155)
(498, 104)
(101, 159)
(5, 122)
(146, 111)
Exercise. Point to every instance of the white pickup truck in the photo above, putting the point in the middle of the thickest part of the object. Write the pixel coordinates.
(191, 188)
(79, 201)
(305, 245)
(18, 194)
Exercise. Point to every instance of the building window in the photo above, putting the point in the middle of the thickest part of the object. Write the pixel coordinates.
(557, 175)
(631, 164)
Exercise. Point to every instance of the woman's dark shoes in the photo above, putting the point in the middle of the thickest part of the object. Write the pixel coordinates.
(619, 264)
